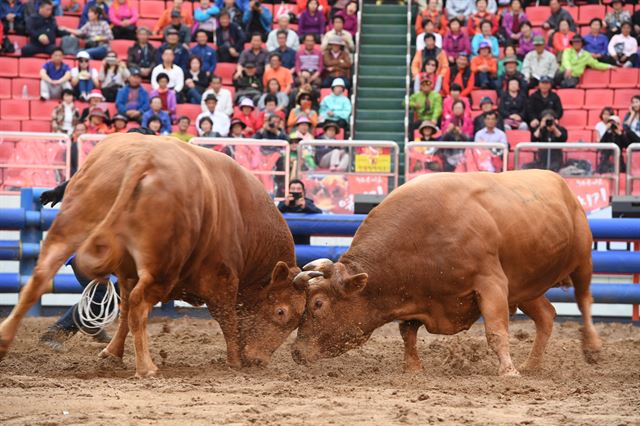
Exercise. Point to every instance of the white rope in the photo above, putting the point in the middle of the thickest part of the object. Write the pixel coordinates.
(106, 313)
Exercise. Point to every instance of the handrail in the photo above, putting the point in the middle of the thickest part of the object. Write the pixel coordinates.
(630, 177)
(407, 82)
(84, 139)
(356, 72)
(455, 145)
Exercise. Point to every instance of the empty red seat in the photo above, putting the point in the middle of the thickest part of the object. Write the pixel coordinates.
(593, 117)
(14, 109)
(598, 98)
(574, 119)
(121, 47)
(537, 15)
(36, 126)
(30, 67)
(572, 98)
(151, 8)
(514, 137)
(622, 97)
(623, 78)
(9, 126)
(573, 11)
(18, 40)
(20, 84)
(594, 79)
(148, 23)
(41, 110)
(575, 135)
(225, 71)
(190, 110)
(9, 67)
(5, 88)
(590, 11)
(68, 21)
(284, 8)
(477, 95)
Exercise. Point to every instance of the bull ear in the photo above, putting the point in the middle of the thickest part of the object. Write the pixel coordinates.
(280, 272)
(301, 281)
(355, 283)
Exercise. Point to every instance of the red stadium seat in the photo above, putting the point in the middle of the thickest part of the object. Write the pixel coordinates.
(30, 67)
(623, 78)
(573, 11)
(225, 71)
(41, 110)
(190, 110)
(574, 119)
(151, 8)
(19, 40)
(186, 7)
(598, 98)
(32, 85)
(590, 11)
(279, 9)
(68, 21)
(231, 90)
(537, 15)
(5, 88)
(14, 109)
(580, 135)
(121, 47)
(148, 23)
(514, 137)
(572, 98)
(594, 79)
(9, 126)
(134, 4)
(9, 67)
(36, 126)
(622, 97)
(477, 95)
(594, 117)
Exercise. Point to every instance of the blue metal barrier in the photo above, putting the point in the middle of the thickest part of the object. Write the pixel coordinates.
(31, 220)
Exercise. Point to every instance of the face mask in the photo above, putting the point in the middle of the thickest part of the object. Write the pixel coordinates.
(305, 104)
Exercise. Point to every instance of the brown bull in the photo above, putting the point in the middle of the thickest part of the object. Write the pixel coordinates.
(174, 221)
(445, 249)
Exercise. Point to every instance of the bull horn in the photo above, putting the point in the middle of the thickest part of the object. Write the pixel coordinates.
(302, 279)
(317, 264)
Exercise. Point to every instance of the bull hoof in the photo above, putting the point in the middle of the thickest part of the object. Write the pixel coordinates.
(146, 374)
(236, 364)
(106, 354)
(509, 372)
(530, 367)
(592, 356)
(413, 367)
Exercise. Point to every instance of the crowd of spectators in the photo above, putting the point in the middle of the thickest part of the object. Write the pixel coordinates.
(474, 45)
(280, 68)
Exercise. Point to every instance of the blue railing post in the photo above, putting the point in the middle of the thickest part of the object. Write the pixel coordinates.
(30, 233)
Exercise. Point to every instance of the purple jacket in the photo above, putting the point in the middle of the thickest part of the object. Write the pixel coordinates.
(308, 24)
(453, 44)
(507, 21)
(526, 46)
(350, 23)
(171, 102)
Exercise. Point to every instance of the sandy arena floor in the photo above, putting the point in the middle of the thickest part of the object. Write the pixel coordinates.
(365, 386)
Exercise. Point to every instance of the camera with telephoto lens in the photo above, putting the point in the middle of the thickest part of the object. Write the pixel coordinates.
(548, 122)
(296, 195)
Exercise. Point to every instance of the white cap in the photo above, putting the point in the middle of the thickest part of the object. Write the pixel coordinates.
(83, 55)
(338, 82)
(247, 102)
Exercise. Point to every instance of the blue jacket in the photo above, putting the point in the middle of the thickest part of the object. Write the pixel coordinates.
(243, 5)
(164, 119)
(339, 105)
(17, 9)
(598, 44)
(181, 58)
(479, 38)
(208, 55)
(235, 34)
(203, 15)
(85, 12)
(123, 97)
(265, 18)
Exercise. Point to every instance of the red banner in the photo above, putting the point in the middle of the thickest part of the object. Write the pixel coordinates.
(335, 193)
(593, 193)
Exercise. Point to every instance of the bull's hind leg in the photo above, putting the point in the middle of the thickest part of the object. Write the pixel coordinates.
(591, 343)
(115, 348)
(54, 253)
(493, 290)
(409, 333)
(542, 313)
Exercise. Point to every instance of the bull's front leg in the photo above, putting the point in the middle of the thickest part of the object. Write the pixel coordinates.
(409, 333)
(222, 305)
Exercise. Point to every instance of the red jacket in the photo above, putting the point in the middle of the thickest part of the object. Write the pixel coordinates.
(253, 121)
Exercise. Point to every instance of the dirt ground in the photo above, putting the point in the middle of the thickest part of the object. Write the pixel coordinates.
(364, 386)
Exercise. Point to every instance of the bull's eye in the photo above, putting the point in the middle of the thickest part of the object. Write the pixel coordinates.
(318, 304)
(280, 312)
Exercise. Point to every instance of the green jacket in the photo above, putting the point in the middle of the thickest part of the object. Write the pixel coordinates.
(417, 103)
(577, 64)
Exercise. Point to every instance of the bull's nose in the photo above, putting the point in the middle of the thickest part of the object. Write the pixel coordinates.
(297, 356)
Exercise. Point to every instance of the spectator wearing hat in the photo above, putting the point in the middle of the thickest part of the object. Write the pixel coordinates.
(96, 100)
(42, 31)
(303, 108)
(490, 133)
(271, 129)
(543, 99)
(460, 73)
(167, 66)
(166, 18)
(96, 33)
(539, 63)
(133, 100)
(166, 95)
(510, 53)
(112, 76)
(485, 67)
(229, 39)
(336, 107)
(480, 15)
(597, 43)
(287, 55)
(574, 61)
(620, 135)
(100, 5)
(256, 55)
(613, 20)
(123, 18)
(338, 31)
(84, 78)
(65, 116)
(184, 32)
(486, 106)
(237, 128)
(155, 109)
(55, 76)
(277, 71)
(310, 58)
(246, 112)
(486, 36)
(427, 132)
(206, 17)
(96, 123)
(330, 131)
(337, 63)
(196, 81)
(303, 130)
(220, 121)
(224, 103)
(527, 37)
(182, 132)
(142, 54)
(119, 122)
(513, 106)
(249, 84)
(512, 19)
(430, 51)
(623, 47)
(12, 15)
(426, 104)
(562, 38)
(312, 21)
(257, 19)
(432, 13)
(274, 90)
(429, 29)
(206, 53)
(455, 41)
(510, 72)
(557, 15)
(293, 41)
(180, 51)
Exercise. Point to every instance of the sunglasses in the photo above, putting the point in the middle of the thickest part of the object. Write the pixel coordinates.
(84, 60)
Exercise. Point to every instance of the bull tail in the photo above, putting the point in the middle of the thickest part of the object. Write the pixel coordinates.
(566, 282)
(103, 251)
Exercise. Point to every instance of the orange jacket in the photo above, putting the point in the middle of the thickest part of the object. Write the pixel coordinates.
(474, 21)
(283, 75)
(439, 19)
(416, 64)
(559, 40)
(466, 88)
(165, 19)
(482, 60)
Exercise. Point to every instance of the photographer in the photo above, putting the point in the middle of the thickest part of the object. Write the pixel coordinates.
(296, 202)
(271, 129)
(615, 133)
(257, 19)
(113, 76)
(549, 131)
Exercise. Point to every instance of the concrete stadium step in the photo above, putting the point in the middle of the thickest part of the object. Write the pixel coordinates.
(385, 10)
(380, 136)
(381, 125)
(379, 60)
(378, 49)
(398, 40)
(381, 114)
(383, 29)
(375, 92)
(388, 70)
(371, 103)
(390, 19)
(382, 81)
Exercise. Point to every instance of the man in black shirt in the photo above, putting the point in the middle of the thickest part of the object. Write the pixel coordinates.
(296, 202)
(142, 54)
(548, 131)
(42, 31)
(541, 100)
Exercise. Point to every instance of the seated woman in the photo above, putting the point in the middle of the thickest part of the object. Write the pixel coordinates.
(562, 37)
(166, 95)
(113, 75)
(274, 89)
(123, 19)
(96, 33)
(459, 123)
(513, 107)
(196, 81)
